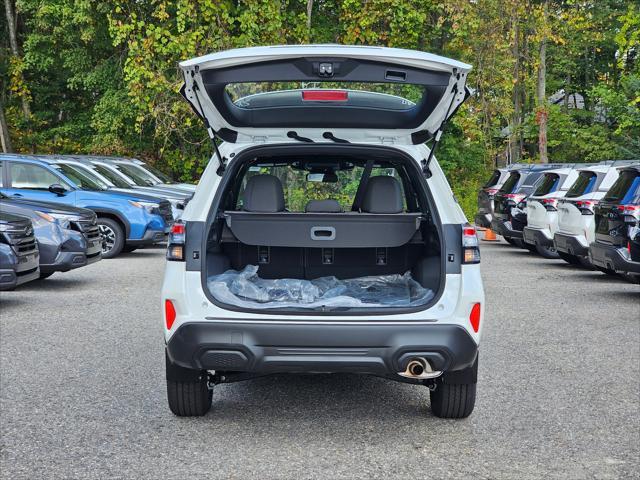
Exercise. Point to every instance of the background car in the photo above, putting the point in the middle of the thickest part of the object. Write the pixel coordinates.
(161, 177)
(19, 256)
(68, 237)
(485, 197)
(617, 221)
(125, 221)
(576, 220)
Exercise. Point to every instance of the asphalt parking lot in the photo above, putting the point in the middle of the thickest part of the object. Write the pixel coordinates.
(83, 394)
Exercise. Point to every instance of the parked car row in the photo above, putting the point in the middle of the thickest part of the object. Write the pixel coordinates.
(60, 212)
(585, 214)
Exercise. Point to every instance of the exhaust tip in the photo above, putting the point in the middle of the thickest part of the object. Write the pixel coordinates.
(419, 369)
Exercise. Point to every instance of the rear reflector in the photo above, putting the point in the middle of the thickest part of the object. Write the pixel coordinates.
(325, 95)
(169, 313)
(474, 317)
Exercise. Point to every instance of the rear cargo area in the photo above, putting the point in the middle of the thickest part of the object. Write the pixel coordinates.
(322, 232)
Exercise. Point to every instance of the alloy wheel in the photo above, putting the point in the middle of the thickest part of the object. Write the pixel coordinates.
(108, 238)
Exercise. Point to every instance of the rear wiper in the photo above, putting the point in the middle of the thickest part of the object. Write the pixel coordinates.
(295, 136)
(330, 136)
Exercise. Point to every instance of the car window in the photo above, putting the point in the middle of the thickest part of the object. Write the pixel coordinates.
(299, 190)
(493, 180)
(162, 176)
(548, 184)
(510, 183)
(621, 186)
(139, 177)
(33, 177)
(584, 184)
(82, 180)
(113, 177)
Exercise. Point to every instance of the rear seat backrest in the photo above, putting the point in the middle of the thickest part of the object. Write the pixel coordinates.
(383, 195)
(323, 206)
(263, 193)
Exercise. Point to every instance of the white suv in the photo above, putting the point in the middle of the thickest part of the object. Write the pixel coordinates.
(323, 235)
(576, 220)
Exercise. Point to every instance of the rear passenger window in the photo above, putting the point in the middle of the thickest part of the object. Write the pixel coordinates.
(620, 188)
(583, 185)
(33, 177)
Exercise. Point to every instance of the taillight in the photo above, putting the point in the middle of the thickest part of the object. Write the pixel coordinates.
(550, 204)
(176, 243)
(631, 212)
(586, 206)
(474, 317)
(169, 314)
(325, 95)
(515, 197)
(470, 246)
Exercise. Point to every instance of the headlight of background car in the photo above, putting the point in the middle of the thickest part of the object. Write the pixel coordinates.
(42, 219)
(65, 220)
(150, 207)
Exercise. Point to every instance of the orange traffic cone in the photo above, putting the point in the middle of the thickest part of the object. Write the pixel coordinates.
(490, 236)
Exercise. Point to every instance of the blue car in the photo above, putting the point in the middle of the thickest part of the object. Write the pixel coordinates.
(125, 221)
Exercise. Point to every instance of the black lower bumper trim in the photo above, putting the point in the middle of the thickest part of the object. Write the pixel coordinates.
(535, 236)
(282, 348)
(569, 244)
(150, 237)
(483, 220)
(612, 258)
(504, 228)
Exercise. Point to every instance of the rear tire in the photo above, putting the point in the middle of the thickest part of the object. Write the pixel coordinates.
(189, 399)
(453, 401)
(112, 237)
(571, 259)
(547, 252)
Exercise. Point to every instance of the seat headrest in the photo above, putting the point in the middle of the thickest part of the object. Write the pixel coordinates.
(323, 206)
(383, 195)
(263, 193)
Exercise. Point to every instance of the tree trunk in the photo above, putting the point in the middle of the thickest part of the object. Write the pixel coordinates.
(514, 144)
(309, 11)
(543, 113)
(5, 139)
(13, 42)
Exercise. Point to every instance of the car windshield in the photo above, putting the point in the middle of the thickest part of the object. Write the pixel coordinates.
(548, 184)
(113, 177)
(162, 176)
(583, 185)
(139, 176)
(623, 185)
(82, 178)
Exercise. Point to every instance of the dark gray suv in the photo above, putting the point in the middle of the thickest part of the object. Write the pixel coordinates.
(19, 255)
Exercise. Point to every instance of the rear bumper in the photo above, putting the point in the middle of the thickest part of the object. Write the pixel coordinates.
(570, 244)
(612, 258)
(483, 220)
(504, 228)
(265, 348)
(150, 237)
(537, 236)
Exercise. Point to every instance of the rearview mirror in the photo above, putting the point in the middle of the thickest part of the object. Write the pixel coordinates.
(57, 189)
(329, 177)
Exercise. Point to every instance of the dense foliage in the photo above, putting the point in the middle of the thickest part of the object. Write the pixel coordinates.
(101, 77)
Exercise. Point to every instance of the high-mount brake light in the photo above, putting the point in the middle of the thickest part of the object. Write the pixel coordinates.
(169, 314)
(470, 245)
(325, 95)
(176, 243)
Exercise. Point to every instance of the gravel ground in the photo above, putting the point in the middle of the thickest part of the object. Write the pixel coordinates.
(82, 389)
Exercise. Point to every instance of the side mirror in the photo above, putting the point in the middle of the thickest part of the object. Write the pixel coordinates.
(57, 189)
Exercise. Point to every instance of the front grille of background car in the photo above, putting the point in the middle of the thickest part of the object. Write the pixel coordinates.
(21, 238)
(87, 225)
